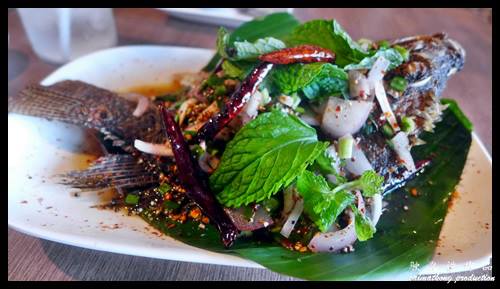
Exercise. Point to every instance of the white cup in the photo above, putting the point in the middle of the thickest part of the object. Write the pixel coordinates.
(59, 35)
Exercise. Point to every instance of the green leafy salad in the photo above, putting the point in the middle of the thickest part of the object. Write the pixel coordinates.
(310, 143)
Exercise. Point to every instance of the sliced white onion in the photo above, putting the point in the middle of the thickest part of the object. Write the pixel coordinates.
(359, 86)
(376, 208)
(310, 119)
(183, 109)
(402, 148)
(337, 240)
(250, 110)
(421, 82)
(259, 220)
(290, 197)
(378, 70)
(208, 163)
(358, 163)
(385, 106)
(375, 78)
(142, 102)
(452, 71)
(292, 218)
(343, 117)
(154, 149)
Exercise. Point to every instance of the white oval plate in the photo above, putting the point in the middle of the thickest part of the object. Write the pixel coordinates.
(40, 149)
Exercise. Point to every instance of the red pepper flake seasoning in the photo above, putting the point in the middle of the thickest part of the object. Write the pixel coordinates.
(205, 220)
(195, 213)
(170, 226)
(414, 192)
(337, 108)
(299, 247)
(455, 195)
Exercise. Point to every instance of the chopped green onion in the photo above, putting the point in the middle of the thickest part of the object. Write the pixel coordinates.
(170, 206)
(270, 204)
(384, 44)
(190, 132)
(220, 90)
(345, 146)
(387, 130)
(300, 109)
(132, 199)
(399, 83)
(402, 51)
(213, 151)
(247, 212)
(213, 80)
(407, 124)
(198, 150)
(164, 188)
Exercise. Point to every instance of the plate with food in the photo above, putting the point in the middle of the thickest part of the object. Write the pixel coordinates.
(291, 147)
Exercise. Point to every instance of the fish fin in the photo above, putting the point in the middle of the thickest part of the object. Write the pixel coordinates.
(86, 105)
(117, 171)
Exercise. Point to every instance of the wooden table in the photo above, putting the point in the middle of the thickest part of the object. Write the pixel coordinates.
(35, 259)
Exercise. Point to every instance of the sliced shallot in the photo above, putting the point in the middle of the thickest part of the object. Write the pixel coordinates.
(155, 149)
(375, 78)
(337, 240)
(342, 117)
(402, 148)
(359, 86)
(358, 163)
(260, 219)
(142, 102)
(292, 218)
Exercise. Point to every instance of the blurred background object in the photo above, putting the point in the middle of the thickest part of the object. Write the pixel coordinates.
(62, 34)
(229, 17)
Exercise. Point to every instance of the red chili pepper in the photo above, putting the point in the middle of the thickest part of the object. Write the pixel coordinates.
(235, 103)
(195, 182)
(299, 54)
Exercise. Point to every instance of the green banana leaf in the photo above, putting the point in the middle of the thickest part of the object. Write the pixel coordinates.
(403, 236)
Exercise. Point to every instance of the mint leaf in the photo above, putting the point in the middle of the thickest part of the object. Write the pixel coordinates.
(369, 183)
(330, 35)
(320, 204)
(363, 225)
(237, 69)
(314, 80)
(222, 42)
(246, 50)
(277, 25)
(266, 154)
(393, 55)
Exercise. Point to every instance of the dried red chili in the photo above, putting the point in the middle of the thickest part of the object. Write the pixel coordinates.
(299, 54)
(235, 103)
(195, 182)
